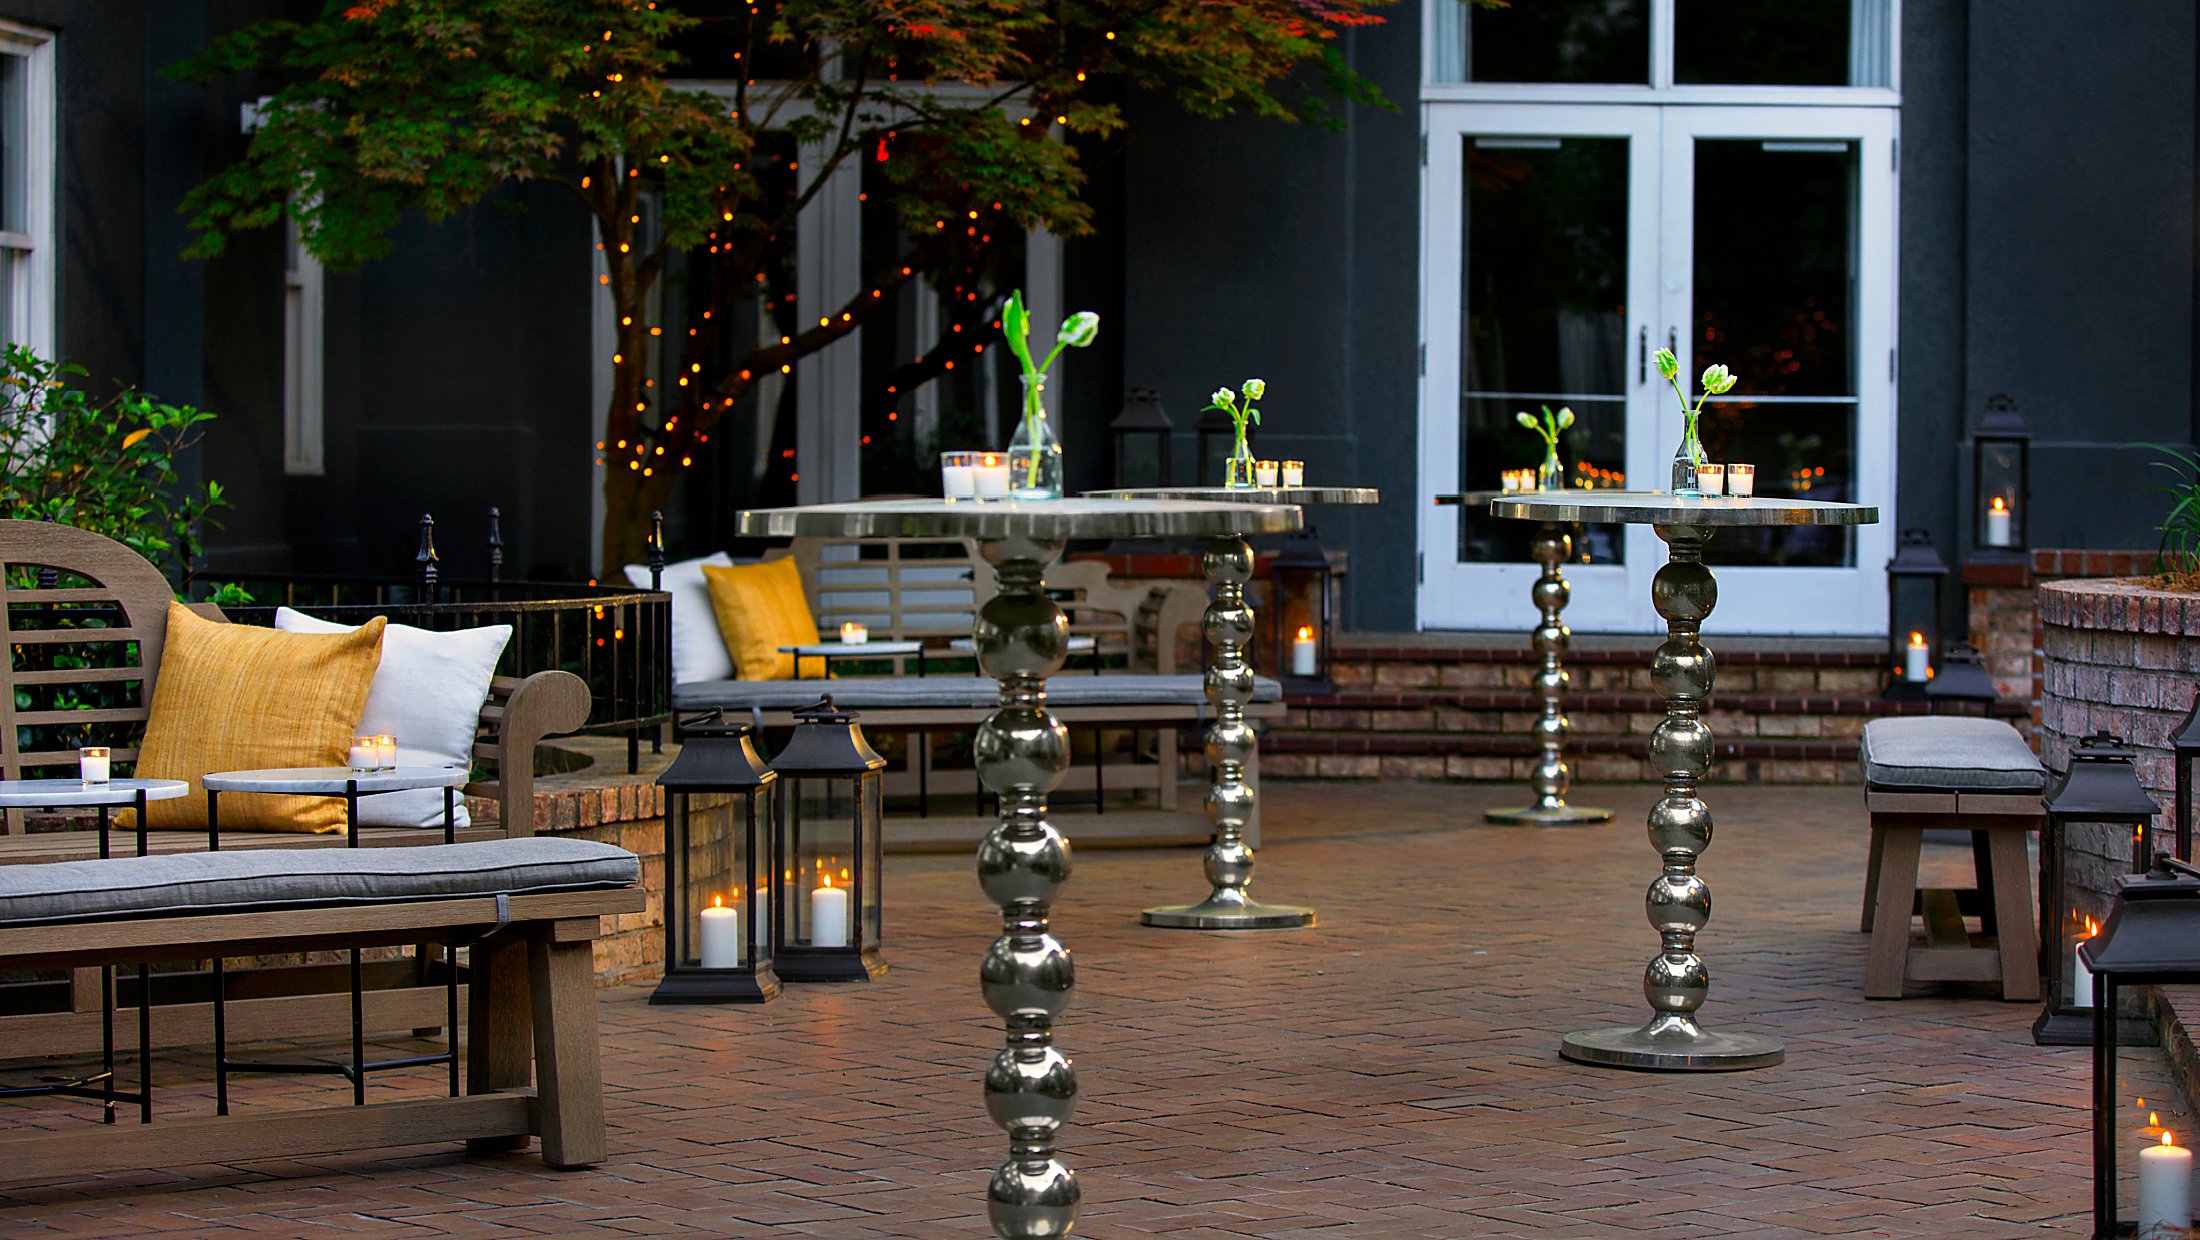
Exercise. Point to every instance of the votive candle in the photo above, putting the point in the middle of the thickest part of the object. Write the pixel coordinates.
(1711, 479)
(385, 752)
(1294, 473)
(959, 475)
(1741, 480)
(93, 764)
(990, 475)
(1264, 473)
(362, 753)
(854, 634)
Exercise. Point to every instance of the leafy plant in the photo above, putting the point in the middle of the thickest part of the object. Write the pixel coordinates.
(1717, 381)
(105, 466)
(2177, 556)
(1550, 428)
(1240, 415)
(1077, 331)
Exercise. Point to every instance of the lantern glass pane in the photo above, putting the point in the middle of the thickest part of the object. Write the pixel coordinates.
(1139, 460)
(1913, 606)
(713, 871)
(2000, 492)
(818, 866)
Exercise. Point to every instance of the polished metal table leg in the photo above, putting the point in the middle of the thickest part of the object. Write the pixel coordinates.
(1231, 743)
(1679, 904)
(1552, 547)
(1021, 637)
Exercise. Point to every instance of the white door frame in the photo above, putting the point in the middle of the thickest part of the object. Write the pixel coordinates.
(1850, 600)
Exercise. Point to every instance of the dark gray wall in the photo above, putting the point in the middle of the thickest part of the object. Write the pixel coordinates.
(1291, 253)
(2078, 263)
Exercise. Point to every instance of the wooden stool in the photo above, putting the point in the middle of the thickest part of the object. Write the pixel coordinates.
(1976, 775)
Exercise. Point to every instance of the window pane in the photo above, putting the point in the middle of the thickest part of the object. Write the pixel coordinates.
(1543, 322)
(1791, 43)
(14, 142)
(1543, 41)
(1775, 272)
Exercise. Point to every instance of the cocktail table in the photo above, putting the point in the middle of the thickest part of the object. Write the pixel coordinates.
(1231, 742)
(1679, 903)
(1022, 637)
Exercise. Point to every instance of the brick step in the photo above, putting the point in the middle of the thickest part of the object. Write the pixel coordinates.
(1453, 755)
(1516, 669)
(1589, 649)
(1594, 702)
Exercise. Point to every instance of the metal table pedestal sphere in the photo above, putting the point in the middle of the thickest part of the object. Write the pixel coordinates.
(1553, 546)
(1232, 744)
(1021, 750)
(1678, 902)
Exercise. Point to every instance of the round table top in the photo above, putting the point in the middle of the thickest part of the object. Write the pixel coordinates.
(1078, 644)
(995, 519)
(72, 793)
(1661, 508)
(1302, 496)
(852, 650)
(1468, 499)
(335, 780)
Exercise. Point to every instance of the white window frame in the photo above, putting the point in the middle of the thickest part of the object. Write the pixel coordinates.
(32, 252)
(304, 360)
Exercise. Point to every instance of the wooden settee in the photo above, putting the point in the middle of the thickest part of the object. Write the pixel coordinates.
(80, 610)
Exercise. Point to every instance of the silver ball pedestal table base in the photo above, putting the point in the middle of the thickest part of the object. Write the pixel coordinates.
(1021, 638)
(1552, 548)
(1232, 743)
(1678, 903)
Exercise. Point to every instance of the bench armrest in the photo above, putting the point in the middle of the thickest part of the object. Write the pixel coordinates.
(518, 716)
(1168, 608)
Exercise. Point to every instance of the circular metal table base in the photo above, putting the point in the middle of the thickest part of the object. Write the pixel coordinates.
(1539, 816)
(1212, 914)
(1632, 1046)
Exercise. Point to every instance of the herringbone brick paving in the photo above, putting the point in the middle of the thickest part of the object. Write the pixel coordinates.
(1392, 1073)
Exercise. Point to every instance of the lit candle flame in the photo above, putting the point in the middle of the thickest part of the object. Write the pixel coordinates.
(2000, 504)
(1306, 632)
(824, 880)
(2092, 929)
(2167, 1141)
(1916, 638)
(718, 901)
(2154, 1120)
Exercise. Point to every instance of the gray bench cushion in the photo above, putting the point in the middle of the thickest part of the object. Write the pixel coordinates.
(263, 878)
(938, 692)
(1942, 754)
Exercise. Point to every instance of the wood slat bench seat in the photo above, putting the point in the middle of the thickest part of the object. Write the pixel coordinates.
(529, 910)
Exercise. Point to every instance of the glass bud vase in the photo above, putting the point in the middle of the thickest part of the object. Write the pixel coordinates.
(1685, 461)
(1034, 454)
(1550, 475)
(1237, 471)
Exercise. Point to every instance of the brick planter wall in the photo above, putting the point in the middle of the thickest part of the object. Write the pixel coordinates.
(2120, 656)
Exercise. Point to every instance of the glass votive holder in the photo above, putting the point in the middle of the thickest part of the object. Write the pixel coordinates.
(990, 475)
(93, 764)
(854, 634)
(959, 474)
(1741, 480)
(1711, 479)
(363, 754)
(1294, 473)
(385, 752)
(1264, 473)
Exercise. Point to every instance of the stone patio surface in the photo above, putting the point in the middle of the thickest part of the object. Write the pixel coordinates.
(1391, 1073)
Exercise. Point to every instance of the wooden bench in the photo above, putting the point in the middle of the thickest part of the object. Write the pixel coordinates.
(1977, 775)
(527, 910)
(68, 592)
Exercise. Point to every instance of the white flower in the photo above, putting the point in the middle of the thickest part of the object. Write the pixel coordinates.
(1078, 330)
(1717, 380)
(1255, 389)
(1223, 398)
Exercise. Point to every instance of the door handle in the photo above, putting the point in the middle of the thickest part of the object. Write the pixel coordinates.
(1673, 342)
(1642, 355)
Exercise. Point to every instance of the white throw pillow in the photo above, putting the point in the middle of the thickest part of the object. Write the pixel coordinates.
(698, 648)
(427, 695)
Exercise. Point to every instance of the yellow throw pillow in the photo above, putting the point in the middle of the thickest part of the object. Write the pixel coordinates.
(761, 608)
(235, 697)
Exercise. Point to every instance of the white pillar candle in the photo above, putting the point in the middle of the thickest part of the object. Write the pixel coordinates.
(1997, 523)
(958, 481)
(854, 634)
(990, 476)
(760, 909)
(385, 752)
(721, 936)
(828, 914)
(362, 753)
(1711, 479)
(2081, 977)
(1741, 480)
(2165, 1189)
(1916, 660)
(1302, 652)
(92, 764)
(1294, 473)
(1264, 473)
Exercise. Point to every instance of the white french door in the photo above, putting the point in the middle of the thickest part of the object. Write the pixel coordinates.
(1563, 245)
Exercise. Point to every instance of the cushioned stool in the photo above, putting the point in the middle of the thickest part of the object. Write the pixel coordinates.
(1973, 775)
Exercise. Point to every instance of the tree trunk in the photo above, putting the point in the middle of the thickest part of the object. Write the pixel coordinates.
(628, 501)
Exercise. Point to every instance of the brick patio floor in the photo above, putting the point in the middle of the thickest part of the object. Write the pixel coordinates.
(1392, 1073)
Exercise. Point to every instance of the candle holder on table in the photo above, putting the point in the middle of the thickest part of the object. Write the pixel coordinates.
(1232, 745)
(1676, 983)
(1552, 547)
(1021, 637)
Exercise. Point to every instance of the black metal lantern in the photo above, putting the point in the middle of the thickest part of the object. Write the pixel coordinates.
(2152, 938)
(1961, 684)
(1915, 577)
(1145, 441)
(2184, 744)
(2001, 482)
(831, 851)
(2101, 787)
(718, 862)
(1217, 439)
(1302, 592)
